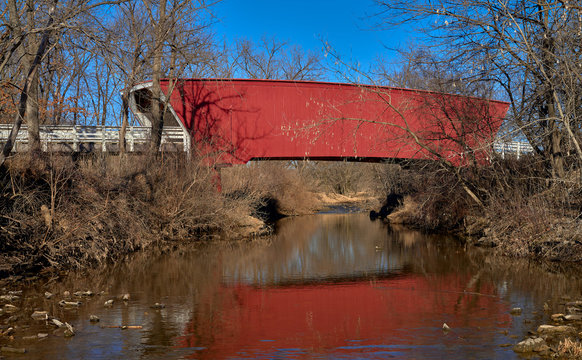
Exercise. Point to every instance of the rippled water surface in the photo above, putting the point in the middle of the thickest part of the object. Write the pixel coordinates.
(328, 286)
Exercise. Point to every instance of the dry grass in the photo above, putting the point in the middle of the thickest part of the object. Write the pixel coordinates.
(263, 182)
(348, 178)
(63, 213)
(570, 349)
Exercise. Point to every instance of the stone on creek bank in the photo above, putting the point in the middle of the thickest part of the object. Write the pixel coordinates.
(531, 345)
(570, 317)
(559, 329)
(9, 308)
(577, 303)
(486, 242)
(9, 297)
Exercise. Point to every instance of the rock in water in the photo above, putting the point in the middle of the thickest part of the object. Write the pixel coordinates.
(515, 311)
(40, 315)
(69, 303)
(8, 349)
(69, 331)
(446, 327)
(57, 322)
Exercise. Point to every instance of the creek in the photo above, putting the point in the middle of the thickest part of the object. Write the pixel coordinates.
(325, 286)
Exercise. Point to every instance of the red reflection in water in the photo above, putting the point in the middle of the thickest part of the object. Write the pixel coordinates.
(244, 320)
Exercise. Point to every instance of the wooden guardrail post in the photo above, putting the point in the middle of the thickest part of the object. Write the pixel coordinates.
(518, 150)
(131, 139)
(75, 139)
(43, 141)
(103, 146)
(187, 140)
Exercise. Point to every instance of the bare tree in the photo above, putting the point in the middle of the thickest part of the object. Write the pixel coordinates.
(273, 59)
(32, 70)
(527, 49)
(35, 28)
(127, 55)
(179, 43)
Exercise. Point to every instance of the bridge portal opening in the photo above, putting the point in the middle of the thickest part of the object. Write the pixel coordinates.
(141, 104)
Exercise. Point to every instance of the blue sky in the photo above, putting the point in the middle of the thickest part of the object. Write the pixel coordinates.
(345, 24)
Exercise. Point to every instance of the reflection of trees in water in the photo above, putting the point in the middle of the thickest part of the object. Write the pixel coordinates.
(159, 335)
(311, 247)
(528, 278)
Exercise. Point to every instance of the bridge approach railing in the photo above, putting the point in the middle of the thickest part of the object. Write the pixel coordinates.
(78, 138)
(514, 148)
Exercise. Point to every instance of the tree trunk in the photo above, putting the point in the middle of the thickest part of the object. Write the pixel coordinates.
(42, 49)
(124, 119)
(157, 104)
(32, 112)
(32, 115)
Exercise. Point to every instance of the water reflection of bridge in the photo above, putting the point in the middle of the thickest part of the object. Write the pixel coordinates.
(340, 284)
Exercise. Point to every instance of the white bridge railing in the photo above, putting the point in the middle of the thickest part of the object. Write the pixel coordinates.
(106, 138)
(96, 138)
(516, 148)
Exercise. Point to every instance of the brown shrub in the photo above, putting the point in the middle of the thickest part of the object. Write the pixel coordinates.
(262, 182)
(347, 178)
(64, 212)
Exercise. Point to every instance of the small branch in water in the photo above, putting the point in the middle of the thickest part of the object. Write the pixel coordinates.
(122, 327)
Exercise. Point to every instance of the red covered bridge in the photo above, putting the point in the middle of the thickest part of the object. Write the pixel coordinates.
(240, 120)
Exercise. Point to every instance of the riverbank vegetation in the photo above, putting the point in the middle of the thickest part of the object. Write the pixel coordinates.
(63, 212)
(522, 213)
(60, 66)
(525, 54)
